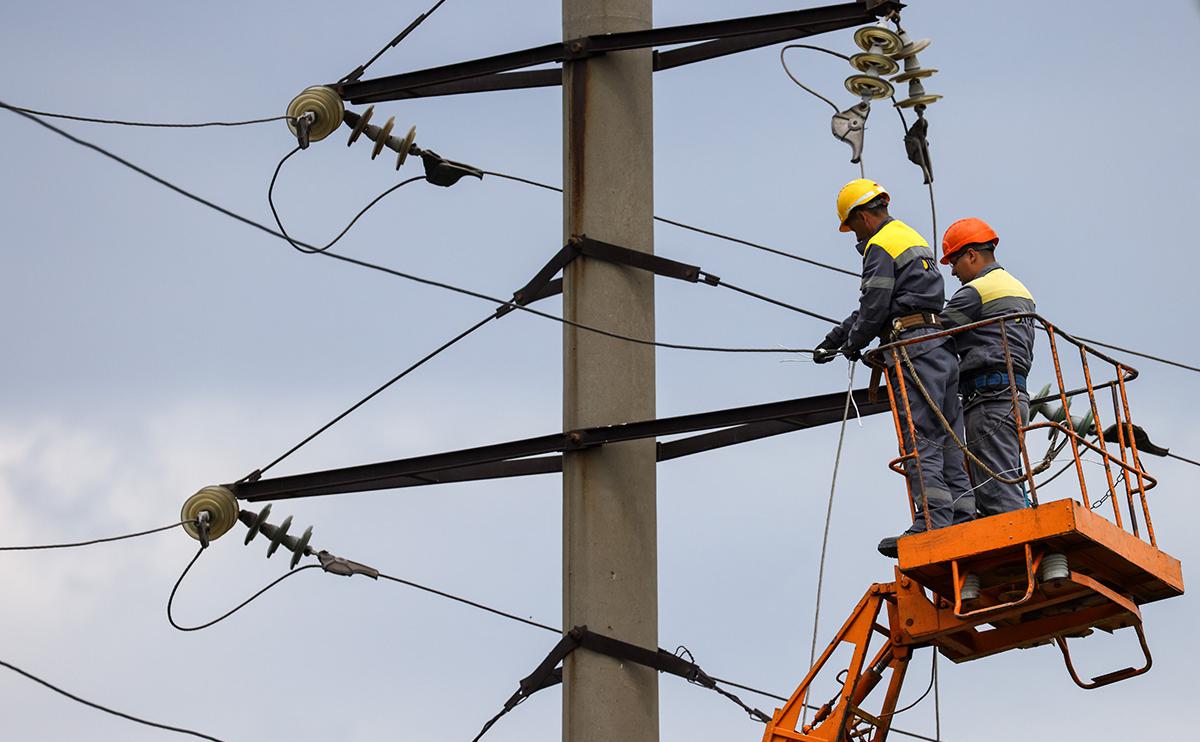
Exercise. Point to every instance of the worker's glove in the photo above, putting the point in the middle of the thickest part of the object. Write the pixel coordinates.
(850, 353)
(824, 355)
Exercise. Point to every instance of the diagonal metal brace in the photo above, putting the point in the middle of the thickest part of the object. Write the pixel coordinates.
(542, 286)
(548, 673)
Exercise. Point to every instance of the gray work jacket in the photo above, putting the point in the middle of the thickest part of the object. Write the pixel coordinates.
(993, 293)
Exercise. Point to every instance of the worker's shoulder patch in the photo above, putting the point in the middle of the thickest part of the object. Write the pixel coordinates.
(896, 238)
(999, 284)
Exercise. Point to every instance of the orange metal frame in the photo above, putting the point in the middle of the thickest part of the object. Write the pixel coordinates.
(1113, 570)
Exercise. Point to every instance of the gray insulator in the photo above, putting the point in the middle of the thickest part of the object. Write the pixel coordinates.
(970, 589)
(1054, 567)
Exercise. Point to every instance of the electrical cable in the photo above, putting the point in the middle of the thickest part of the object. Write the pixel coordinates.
(778, 303)
(427, 357)
(1160, 359)
(243, 604)
(862, 167)
(105, 709)
(937, 700)
(783, 62)
(699, 230)
(1188, 461)
(392, 271)
(308, 249)
(932, 682)
(439, 593)
(97, 540)
(156, 125)
(837, 461)
(473, 604)
(358, 71)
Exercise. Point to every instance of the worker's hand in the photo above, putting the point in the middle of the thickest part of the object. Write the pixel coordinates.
(850, 353)
(824, 355)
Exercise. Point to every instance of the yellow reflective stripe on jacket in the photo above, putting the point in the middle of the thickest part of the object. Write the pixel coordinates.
(896, 238)
(999, 284)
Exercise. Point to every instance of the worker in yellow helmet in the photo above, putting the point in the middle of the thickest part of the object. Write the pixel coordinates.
(989, 291)
(901, 294)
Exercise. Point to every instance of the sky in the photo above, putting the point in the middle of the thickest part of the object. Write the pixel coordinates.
(154, 347)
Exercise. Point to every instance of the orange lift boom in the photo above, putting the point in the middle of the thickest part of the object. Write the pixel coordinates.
(1054, 571)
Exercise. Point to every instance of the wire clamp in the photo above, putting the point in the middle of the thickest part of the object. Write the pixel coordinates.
(850, 125)
(336, 565)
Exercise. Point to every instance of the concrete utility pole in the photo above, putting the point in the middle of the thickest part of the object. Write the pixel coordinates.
(610, 562)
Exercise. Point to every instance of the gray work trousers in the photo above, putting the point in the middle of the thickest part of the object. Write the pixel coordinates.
(992, 436)
(939, 473)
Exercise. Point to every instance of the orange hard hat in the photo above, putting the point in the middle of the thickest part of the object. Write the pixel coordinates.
(969, 231)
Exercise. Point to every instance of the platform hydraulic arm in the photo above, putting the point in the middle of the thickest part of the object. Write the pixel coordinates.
(843, 714)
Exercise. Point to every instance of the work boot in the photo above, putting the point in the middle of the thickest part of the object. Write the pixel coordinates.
(888, 546)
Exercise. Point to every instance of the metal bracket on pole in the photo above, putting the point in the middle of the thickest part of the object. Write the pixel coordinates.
(704, 41)
(548, 673)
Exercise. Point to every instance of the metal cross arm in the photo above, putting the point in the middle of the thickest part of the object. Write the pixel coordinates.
(526, 456)
(706, 40)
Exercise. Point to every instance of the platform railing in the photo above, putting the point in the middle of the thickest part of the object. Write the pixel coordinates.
(1122, 465)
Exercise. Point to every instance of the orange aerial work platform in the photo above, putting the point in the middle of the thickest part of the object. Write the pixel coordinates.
(1045, 574)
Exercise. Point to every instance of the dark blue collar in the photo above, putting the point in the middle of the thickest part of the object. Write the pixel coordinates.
(862, 244)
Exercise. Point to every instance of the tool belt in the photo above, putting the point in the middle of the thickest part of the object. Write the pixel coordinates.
(891, 333)
(910, 322)
(989, 380)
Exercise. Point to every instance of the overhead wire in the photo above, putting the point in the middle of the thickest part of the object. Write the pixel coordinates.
(691, 227)
(235, 609)
(472, 603)
(1185, 460)
(32, 114)
(358, 71)
(307, 249)
(837, 460)
(378, 390)
(783, 62)
(105, 540)
(105, 709)
(392, 271)
(147, 124)
(443, 594)
(1160, 359)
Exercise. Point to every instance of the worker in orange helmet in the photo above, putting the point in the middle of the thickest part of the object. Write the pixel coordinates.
(901, 294)
(988, 291)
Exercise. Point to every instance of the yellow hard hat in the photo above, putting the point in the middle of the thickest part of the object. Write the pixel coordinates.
(856, 193)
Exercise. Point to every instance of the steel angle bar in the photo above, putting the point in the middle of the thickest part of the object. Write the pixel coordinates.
(526, 456)
(707, 40)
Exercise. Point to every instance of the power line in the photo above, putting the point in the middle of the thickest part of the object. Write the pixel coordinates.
(358, 71)
(778, 303)
(826, 266)
(427, 357)
(105, 709)
(1160, 359)
(392, 271)
(1188, 461)
(305, 248)
(148, 124)
(473, 604)
(837, 461)
(439, 593)
(95, 541)
(238, 607)
(693, 228)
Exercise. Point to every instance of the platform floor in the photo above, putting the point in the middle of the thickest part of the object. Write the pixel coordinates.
(994, 546)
